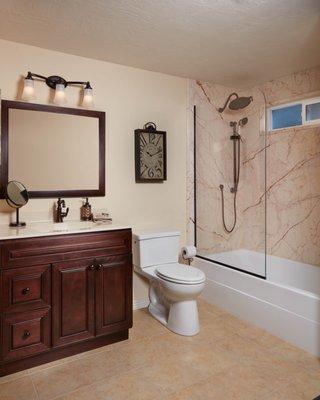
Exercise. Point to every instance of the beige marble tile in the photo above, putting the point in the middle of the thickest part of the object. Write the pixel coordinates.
(18, 389)
(292, 191)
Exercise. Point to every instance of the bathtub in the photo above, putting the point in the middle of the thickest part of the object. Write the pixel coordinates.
(286, 303)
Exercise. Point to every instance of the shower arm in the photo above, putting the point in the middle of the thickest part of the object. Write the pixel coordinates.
(221, 109)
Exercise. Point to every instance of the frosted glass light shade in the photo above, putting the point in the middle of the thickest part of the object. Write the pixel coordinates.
(87, 98)
(60, 94)
(28, 90)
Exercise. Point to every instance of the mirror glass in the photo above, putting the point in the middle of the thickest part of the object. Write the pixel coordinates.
(53, 151)
(17, 194)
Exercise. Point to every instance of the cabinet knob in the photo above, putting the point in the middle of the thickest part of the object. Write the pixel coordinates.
(26, 290)
(98, 267)
(26, 334)
(91, 267)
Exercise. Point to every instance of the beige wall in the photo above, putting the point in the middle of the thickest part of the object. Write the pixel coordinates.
(130, 97)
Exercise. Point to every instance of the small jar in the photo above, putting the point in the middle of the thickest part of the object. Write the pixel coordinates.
(85, 211)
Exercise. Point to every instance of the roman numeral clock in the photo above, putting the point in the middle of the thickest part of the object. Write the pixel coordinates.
(150, 154)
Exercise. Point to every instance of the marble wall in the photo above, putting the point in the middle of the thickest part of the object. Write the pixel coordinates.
(278, 200)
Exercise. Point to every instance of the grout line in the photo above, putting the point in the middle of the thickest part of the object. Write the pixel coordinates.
(34, 387)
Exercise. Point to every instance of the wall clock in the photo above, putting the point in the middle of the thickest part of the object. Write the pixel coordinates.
(150, 154)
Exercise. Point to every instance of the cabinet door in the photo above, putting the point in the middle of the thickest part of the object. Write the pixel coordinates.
(113, 294)
(73, 301)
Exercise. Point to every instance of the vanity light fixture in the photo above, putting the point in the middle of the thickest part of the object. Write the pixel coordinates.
(58, 84)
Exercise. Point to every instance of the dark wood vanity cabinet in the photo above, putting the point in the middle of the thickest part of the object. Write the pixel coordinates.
(63, 294)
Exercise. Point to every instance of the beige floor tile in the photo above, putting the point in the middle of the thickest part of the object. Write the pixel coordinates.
(122, 387)
(211, 308)
(12, 377)
(243, 349)
(287, 352)
(142, 353)
(305, 387)
(228, 359)
(235, 323)
(233, 384)
(260, 336)
(173, 375)
(18, 389)
(61, 379)
(53, 364)
(145, 326)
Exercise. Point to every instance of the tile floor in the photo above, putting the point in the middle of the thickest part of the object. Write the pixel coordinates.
(229, 359)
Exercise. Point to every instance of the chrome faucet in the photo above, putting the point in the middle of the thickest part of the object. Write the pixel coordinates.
(60, 214)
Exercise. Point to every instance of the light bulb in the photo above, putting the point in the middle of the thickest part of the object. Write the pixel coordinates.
(28, 90)
(87, 96)
(60, 94)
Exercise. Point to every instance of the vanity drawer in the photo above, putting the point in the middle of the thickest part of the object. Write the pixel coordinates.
(42, 250)
(26, 334)
(25, 288)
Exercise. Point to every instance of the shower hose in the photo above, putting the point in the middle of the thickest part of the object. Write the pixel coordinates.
(234, 190)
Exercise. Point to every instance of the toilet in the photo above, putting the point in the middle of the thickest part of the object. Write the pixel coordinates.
(174, 287)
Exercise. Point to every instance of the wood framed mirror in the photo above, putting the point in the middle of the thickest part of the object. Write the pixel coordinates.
(54, 151)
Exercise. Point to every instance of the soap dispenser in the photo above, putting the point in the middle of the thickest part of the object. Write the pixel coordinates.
(85, 211)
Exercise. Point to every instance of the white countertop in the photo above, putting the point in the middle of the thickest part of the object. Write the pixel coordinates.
(36, 229)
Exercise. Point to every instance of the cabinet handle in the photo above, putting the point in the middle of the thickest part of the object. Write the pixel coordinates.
(26, 334)
(26, 290)
(98, 267)
(91, 267)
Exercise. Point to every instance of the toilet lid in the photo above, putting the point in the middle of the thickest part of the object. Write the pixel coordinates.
(179, 273)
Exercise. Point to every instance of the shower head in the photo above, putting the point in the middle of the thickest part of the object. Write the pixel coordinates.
(237, 103)
(240, 102)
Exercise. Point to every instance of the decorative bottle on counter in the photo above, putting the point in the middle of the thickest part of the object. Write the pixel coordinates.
(85, 211)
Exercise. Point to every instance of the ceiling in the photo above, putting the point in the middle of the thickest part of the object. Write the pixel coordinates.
(232, 42)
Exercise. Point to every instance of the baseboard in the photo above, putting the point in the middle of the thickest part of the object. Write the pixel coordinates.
(140, 303)
(289, 326)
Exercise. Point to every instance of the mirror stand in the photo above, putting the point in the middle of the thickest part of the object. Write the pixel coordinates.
(17, 223)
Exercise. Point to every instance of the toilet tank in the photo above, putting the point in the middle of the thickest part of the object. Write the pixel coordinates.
(154, 248)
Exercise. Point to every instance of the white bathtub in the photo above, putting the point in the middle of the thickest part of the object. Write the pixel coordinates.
(286, 304)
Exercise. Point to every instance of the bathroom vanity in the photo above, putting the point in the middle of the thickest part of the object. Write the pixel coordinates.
(62, 291)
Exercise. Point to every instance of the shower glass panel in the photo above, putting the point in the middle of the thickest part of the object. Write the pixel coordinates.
(230, 184)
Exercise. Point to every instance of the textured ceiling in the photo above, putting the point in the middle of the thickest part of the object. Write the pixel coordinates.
(232, 42)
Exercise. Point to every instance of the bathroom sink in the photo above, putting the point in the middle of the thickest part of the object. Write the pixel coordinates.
(63, 226)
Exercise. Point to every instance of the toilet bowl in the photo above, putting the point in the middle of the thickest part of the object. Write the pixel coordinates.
(174, 287)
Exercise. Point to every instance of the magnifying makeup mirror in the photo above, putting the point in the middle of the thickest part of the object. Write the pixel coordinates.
(16, 196)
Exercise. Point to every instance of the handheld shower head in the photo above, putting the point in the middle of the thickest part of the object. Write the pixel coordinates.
(243, 121)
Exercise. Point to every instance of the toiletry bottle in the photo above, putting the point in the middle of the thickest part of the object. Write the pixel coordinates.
(85, 211)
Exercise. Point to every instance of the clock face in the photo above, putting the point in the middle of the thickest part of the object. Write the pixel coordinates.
(151, 156)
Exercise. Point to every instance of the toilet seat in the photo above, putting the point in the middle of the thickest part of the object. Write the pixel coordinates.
(180, 273)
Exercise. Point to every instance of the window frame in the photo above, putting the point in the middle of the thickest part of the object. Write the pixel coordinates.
(304, 103)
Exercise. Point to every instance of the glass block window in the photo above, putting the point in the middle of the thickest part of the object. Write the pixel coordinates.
(287, 116)
(304, 112)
